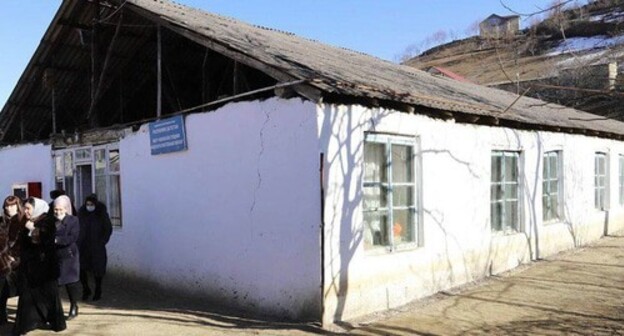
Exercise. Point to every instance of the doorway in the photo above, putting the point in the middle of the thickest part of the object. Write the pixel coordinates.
(84, 182)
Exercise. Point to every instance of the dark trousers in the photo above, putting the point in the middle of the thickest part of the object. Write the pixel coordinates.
(86, 289)
(72, 292)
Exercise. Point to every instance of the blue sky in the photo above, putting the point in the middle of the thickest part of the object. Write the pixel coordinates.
(383, 28)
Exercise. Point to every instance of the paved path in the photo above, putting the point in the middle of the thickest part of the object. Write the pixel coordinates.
(575, 293)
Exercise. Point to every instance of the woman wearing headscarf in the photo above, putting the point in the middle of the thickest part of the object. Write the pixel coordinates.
(39, 303)
(95, 231)
(67, 233)
(11, 223)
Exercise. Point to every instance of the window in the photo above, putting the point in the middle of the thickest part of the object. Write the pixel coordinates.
(389, 189)
(600, 181)
(552, 197)
(86, 170)
(504, 191)
(621, 175)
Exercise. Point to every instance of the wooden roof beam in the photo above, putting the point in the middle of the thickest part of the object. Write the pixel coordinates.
(304, 90)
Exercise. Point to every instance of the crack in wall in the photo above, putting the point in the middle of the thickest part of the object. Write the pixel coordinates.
(259, 184)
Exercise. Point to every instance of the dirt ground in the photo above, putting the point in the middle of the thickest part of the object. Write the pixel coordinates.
(575, 293)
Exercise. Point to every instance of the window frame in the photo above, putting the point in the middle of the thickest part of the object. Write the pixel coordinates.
(389, 140)
(621, 179)
(61, 181)
(518, 227)
(601, 188)
(559, 179)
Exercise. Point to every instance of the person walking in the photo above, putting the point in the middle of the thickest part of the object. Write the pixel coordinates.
(11, 223)
(39, 304)
(95, 232)
(67, 234)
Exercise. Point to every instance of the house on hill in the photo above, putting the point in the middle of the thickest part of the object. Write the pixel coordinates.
(443, 72)
(496, 26)
(265, 171)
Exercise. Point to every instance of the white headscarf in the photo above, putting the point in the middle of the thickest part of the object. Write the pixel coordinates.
(40, 207)
(65, 202)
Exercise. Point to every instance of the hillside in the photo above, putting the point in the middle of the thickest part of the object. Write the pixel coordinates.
(563, 59)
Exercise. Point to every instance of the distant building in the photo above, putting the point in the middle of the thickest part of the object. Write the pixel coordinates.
(443, 72)
(499, 26)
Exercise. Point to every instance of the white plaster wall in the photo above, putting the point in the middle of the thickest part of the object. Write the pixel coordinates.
(235, 218)
(26, 163)
(459, 245)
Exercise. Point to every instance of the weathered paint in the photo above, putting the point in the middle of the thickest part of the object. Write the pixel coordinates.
(459, 245)
(26, 163)
(235, 217)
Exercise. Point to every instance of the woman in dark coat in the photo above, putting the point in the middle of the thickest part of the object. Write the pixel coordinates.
(95, 231)
(11, 222)
(39, 303)
(67, 232)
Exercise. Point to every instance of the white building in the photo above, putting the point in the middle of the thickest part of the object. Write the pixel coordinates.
(304, 180)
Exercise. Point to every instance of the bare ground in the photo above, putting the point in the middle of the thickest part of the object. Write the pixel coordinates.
(575, 293)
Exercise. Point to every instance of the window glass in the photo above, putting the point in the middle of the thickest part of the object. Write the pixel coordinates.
(374, 163)
(374, 197)
(402, 196)
(58, 166)
(83, 154)
(504, 191)
(621, 178)
(497, 164)
(551, 195)
(100, 161)
(114, 206)
(69, 164)
(113, 155)
(401, 163)
(375, 231)
(389, 188)
(600, 181)
(496, 209)
(68, 171)
(402, 228)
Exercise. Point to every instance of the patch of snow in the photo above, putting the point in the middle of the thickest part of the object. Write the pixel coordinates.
(582, 60)
(597, 18)
(576, 44)
(607, 17)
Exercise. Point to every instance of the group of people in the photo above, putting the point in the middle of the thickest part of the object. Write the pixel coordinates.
(47, 246)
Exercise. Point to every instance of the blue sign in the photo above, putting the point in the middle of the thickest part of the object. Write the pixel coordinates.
(167, 135)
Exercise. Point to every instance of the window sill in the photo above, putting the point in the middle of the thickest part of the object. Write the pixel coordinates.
(386, 250)
(506, 233)
(553, 222)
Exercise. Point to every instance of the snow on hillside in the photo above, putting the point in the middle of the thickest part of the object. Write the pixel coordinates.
(576, 44)
(615, 16)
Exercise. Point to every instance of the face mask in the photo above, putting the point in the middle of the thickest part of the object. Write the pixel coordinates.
(11, 210)
(60, 217)
(90, 208)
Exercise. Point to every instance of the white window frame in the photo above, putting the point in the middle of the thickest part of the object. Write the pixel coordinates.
(517, 226)
(601, 182)
(106, 199)
(621, 179)
(546, 192)
(388, 140)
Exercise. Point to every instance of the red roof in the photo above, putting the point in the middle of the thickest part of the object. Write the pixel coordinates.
(449, 74)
